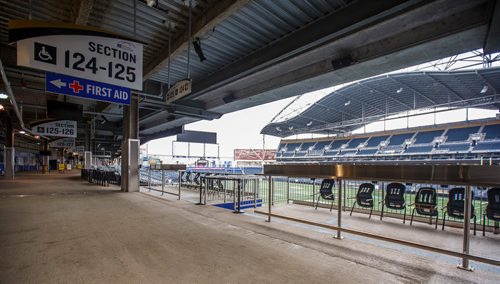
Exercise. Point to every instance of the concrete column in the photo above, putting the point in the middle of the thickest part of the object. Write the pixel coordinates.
(45, 158)
(87, 138)
(130, 147)
(9, 151)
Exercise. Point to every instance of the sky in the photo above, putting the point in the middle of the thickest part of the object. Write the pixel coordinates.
(237, 130)
(241, 129)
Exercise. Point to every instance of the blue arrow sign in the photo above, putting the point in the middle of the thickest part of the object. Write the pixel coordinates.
(83, 88)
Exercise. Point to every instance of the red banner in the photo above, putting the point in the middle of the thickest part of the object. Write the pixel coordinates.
(254, 154)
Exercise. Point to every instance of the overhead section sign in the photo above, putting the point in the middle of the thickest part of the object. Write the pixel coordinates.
(62, 143)
(179, 90)
(58, 128)
(88, 89)
(103, 59)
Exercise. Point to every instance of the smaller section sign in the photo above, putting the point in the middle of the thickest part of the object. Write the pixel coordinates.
(80, 150)
(179, 90)
(83, 88)
(63, 143)
(58, 128)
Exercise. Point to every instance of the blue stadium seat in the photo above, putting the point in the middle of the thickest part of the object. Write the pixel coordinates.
(461, 147)
(427, 136)
(487, 146)
(290, 147)
(375, 141)
(419, 150)
(399, 139)
(322, 144)
(460, 134)
(306, 145)
(348, 152)
(354, 143)
(330, 153)
(300, 154)
(369, 152)
(492, 132)
(337, 144)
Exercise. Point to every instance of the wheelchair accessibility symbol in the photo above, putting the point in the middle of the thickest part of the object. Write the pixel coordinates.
(45, 53)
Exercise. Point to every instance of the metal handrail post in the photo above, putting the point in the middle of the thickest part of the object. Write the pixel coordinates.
(179, 197)
(272, 192)
(201, 194)
(225, 190)
(269, 198)
(339, 211)
(162, 182)
(466, 240)
(240, 188)
(314, 189)
(254, 185)
(287, 190)
(206, 192)
(180, 175)
(234, 195)
(149, 178)
(344, 195)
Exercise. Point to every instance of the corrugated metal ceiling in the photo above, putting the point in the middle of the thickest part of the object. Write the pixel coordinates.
(391, 94)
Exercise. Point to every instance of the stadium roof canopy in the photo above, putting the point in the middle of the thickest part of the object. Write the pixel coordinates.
(366, 101)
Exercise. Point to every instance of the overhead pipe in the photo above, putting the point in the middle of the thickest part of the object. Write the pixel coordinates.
(12, 98)
(13, 102)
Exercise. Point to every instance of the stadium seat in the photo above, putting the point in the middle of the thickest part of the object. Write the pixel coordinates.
(492, 132)
(326, 192)
(426, 204)
(455, 206)
(460, 134)
(364, 197)
(493, 207)
(354, 143)
(394, 199)
(427, 137)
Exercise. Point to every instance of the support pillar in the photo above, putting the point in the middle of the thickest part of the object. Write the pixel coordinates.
(45, 158)
(9, 151)
(130, 147)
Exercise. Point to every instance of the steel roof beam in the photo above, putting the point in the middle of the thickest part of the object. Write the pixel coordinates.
(83, 13)
(492, 40)
(216, 14)
(386, 95)
(414, 91)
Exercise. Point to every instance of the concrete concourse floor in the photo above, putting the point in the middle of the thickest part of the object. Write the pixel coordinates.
(57, 228)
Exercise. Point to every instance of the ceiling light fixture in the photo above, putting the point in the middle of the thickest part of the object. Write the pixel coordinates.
(22, 132)
(347, 103)
(484, 89)
(3, 95)
(1, 107)
(399, 90)
(152, 3)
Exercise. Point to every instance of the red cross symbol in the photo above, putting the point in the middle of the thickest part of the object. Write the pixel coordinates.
(76, 86)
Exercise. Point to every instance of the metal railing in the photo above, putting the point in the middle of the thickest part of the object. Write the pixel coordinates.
(240, 190)
(348, 176)
(162, 178)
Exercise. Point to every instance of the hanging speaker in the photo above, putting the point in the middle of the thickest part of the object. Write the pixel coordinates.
(342, 62)
(229, 99)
